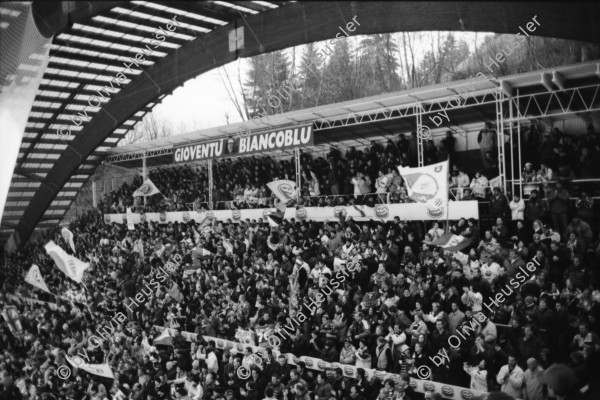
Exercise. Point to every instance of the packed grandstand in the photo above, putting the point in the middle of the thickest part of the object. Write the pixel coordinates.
(458, 265)
(401, 300)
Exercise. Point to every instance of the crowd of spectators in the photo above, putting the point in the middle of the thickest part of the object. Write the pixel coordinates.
(401, 301)
(396, 309)
(369, 176)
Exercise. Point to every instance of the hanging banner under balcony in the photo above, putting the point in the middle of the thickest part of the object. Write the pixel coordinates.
(381, 212)
(279, 139)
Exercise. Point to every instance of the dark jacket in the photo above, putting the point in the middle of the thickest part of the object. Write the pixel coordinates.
(534, 209)
(558, 201)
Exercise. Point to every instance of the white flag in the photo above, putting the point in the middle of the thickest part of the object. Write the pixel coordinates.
(68, 236)
(147, 189)
(164, 338)
(284, 190)
(146, 348)
(130, 224)
(139, 247)
(71, 266)
(228, 246)
(103, 370)
(36, 279)
(428, 185)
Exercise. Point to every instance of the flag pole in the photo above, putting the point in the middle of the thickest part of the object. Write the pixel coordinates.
(448, 199)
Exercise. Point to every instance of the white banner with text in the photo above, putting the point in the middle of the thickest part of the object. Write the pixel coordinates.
(382, 212)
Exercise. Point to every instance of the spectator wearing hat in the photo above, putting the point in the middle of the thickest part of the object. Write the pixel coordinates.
(405, 363)
(348, 353)
(528, 174)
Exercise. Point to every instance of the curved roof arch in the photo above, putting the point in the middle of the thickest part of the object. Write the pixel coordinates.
(92, 42)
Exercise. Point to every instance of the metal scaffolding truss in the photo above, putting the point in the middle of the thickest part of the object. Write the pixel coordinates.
(555, 103)
(140, 155)
(459, 101)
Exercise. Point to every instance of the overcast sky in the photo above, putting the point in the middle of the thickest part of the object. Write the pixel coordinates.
(203, 102)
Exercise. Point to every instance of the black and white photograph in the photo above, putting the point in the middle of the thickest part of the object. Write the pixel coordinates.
(299, 200)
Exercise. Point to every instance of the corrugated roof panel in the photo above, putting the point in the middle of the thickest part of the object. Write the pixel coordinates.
(236, 7)
(73, 184)
(32, 184)
(67, 193)
(174, 11)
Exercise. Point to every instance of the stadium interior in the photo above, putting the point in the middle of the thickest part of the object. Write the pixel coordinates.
(438, 242)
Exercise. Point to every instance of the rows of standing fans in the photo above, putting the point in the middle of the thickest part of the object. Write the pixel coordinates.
(394, 313)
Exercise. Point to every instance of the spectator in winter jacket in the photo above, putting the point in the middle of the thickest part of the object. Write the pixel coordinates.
(479, 184)
(323, 388)
(534, 209)
(517, 208)
(498, 204)
(348, 353)
(500, 231)
(558, 203)
(582, 229)
(487, 142)
(511, 378)
(529, 346)
(534, 381)
(478, 375)
(462, 181)
(383, 355)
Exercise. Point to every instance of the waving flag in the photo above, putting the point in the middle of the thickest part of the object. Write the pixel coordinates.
(147, 189)
(228, 246)
(68, 236)
(146, 348)
(274, 218)
(164, 338)
(450, 242)
(138, 247)
(130, 224)
(36, 279)
(71, 266)
(11, 316)
(103, 370)
(284, 190)
(428, 185)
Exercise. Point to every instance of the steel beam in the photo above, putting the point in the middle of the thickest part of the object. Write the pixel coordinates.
(284, 27)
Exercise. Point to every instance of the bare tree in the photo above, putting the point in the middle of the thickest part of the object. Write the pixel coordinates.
(149, 128)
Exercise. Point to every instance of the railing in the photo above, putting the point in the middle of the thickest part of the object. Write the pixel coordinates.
(529, 186)
(456, 193)
(228, 204)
